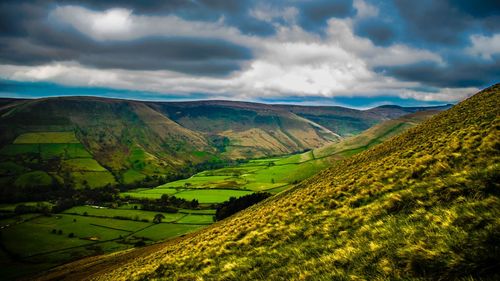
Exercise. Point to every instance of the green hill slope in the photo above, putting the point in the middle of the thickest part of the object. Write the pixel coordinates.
(277, 174)
(423, 205)
(134, 141)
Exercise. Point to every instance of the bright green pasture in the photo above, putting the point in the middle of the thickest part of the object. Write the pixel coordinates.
(199, 212)
(63, 150)
(83, 164)
(197, 219)
(35, 236)
(208, 196)
(204, 196)
(200, 181)
(130, 213)
(92, 179)
(47, 137)
(167, 230)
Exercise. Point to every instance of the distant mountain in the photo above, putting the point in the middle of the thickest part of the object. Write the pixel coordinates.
(91, 141)
(423, 205)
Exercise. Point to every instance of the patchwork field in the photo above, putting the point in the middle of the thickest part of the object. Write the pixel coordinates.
(32, 242)
(62, 156)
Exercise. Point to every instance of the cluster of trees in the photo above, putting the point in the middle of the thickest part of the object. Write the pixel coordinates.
(166, 204)
(234, 205)
(38, 208)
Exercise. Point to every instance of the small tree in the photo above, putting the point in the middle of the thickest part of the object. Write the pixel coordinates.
(158, 218)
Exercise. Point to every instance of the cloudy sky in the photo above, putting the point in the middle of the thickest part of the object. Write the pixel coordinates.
(357, 53)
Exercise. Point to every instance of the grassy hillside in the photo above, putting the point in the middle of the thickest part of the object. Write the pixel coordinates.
(279, 173)
(132, 141)
(423, 205)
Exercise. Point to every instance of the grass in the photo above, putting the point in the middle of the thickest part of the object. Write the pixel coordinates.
(63, 150)
(204, 196)
(197, 219)
(92, 179)
(131, 176)
(131, 213)
(12, 207)
(18, 149)
(83, 165)
(166, 230)
(35, 236)
(46, 137)
(34, 178)
(423, 205)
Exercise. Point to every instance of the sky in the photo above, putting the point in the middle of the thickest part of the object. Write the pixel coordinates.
(358, 53)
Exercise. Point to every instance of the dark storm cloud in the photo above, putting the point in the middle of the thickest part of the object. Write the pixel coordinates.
(457, 73)
(435, 21)
(378, 32)
(480, 9)
(34, 41)
(447, 22)
(314, 14)
(196, 56)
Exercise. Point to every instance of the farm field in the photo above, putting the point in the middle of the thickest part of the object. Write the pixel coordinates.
(62, 156)
(32, 242)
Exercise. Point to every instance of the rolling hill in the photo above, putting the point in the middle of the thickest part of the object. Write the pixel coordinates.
(421, 206)
(94, 142)
(279, 173)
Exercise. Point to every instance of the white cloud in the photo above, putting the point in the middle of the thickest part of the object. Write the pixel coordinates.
(122, 24)
(484, 46)
(365, 10)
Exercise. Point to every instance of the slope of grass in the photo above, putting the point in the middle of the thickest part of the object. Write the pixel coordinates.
(46, 137)
(421, 206)
(83, 165)
(34, 178)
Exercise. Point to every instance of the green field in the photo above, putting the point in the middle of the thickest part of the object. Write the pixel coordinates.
(61, 156)
(35, 244)
(204, 196)
(124, 213)
(196, 219)
(162, 230)
(64, 151)
(83, 164)
(17, 149)
(34, 178)
(92, 179)
(46, 137)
